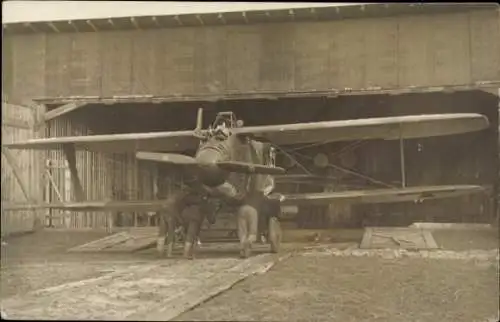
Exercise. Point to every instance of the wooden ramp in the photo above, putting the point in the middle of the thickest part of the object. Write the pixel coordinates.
(139, 238)
(397, 238)
(128, 241)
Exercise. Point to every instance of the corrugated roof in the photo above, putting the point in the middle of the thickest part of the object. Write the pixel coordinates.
(242, 17)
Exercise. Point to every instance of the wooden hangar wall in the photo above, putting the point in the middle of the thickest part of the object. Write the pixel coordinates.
(387, 52)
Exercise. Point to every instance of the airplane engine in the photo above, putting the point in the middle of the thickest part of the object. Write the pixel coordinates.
(209, 172)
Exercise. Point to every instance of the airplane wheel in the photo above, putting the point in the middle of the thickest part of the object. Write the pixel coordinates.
(274, 234)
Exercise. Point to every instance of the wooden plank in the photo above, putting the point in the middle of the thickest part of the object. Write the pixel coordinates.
(367, 238)
(61, 110)
(347, 67)
(176, 61)
(28, 67)
(57, 62)
(277, 57)
(485, 45)
(211, 287)
(17, 173)
(70, 153)
(414, 51)
(54, 186)
(243, 56)
(450, 47)
(210, 60)
(134, 244)
(116, 62)
(429, 240)
(11, 122)
(85, 65)
(144, 61)
(270, 95)
(381, 45)
(399, 237)
(311, 56)
(100, 244)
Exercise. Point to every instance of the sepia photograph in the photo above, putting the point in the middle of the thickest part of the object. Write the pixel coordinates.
(250, 161)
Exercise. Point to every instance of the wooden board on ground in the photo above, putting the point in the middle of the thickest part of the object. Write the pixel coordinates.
(148, 292)
(139, 238)
(397, 237)
(128, 241)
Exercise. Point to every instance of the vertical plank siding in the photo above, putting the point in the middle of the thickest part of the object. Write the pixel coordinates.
(17, 122)
(101, 175)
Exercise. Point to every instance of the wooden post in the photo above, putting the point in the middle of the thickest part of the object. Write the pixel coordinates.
(70, 153)
(67, 194)
(402, 157)
(40, 157)
(496, 197)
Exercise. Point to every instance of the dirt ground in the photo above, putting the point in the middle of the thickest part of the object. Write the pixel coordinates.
(300, 288)
(368, 288)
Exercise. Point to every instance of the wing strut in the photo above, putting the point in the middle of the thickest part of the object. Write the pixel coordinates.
(402, 157)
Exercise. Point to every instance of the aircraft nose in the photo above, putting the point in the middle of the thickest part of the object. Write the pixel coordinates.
(209, 172)
(208, 157)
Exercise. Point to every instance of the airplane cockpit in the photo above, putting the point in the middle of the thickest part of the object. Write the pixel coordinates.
(229, 118)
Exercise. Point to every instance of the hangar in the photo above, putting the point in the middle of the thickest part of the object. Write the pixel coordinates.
(141, 74)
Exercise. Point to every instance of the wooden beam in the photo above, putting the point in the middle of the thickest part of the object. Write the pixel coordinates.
(61, 110)
(244, 14)
(92, 25)
(30, 26)
(53, 27)
(178, 19)
(51, 181)
(73, 25)
(220, 16)
(200, 20)
(155, 21)
(262, 95)
(70, 153)
(402, 158)
(135, 23)
(17, 173)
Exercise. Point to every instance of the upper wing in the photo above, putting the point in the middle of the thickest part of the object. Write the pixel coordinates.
(378, 195)
(412, 126)
(373, 128)
(131, 142)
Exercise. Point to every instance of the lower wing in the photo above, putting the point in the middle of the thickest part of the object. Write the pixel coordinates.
(320, 198)
(377, 195)
(139, 206)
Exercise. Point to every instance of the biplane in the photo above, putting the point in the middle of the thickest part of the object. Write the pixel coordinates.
(235, 164)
